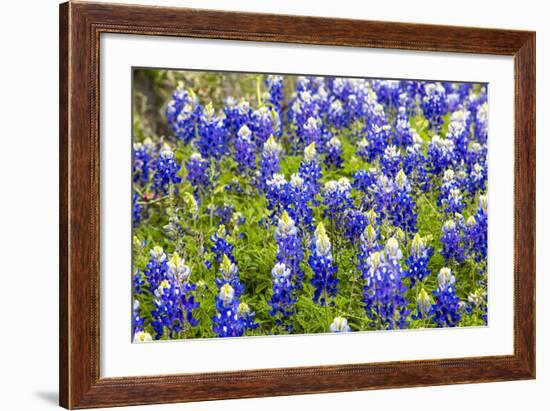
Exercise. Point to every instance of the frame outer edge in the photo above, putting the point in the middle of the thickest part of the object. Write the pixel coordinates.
(64, 103)
(526, 184)
(80, 383)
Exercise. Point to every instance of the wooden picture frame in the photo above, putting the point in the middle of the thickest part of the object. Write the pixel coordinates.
(80, 27)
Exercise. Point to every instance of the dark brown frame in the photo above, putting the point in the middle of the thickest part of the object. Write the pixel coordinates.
(80, 27)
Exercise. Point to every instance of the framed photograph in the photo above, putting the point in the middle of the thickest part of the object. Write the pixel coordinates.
(259, 205)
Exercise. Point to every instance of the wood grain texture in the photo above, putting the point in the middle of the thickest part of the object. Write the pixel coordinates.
(80, 27)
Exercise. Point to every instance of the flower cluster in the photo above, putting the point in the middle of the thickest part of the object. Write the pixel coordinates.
(281, 205)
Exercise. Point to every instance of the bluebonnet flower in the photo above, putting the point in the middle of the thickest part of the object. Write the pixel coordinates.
(336, 114)
(391, 161)
(229, 274)
(198, 173)
(232, 318)
(448, 182)
(363, 180)
(289, 250)
(137, 320)
(414, 163)
(183, 113)
(476, 231)
(136, 210)
(279, 195)
(441, 154)
(482, 123)
(383, 194)
(355, 223)
(143, 161)
(477, 301)
(451, 240)
(227, 322)
(300, 200)
(142, 336)
(458, 132)
(247, 316)
(403, 136)
(265, 123)
(477, 179)
(418, 260)
(339, 325)
(337, 198)
(305, 121)
(387, 92)
(450, 196)
(434, 105)
(224, 213)
(384, 290)
(269, 162)
(275, 87)
(446, 310)
(166, 172)
(324, 268)
(476, 154)
(369, 244)
(156, 270)
(237, 115)
(283, 299)
(138, 282)
(311, 132)
(453, 203)
(423, 305)
(393, 200)
(212, 141)
(245, 155)
(174, 302)
(310, 172)
(222, 246)
(373, 145)
(354, 109)
(333, 156)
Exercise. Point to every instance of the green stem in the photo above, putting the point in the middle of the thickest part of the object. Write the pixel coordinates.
(258, 91)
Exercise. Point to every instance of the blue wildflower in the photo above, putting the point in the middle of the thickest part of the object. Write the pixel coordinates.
(446, 310)
(355, 223)
(337, 198)
(482, 123)
(434, 105)
(384, 290)
(339, 325)
(418, 260)
(143, 161)
(156, 270)
(269, 162)
(222, 246)
(282, 300)
(212, 140)
(324, 268)
(289, 250)
(198, 173)
(245, 155)
(174, 302)
(451, 240)
(391, 161)
(183, 113)
(166, 172)
(333, 153)
(275, 88)
(310, 172)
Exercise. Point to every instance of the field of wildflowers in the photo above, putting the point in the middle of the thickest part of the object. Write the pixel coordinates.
(268, 205)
